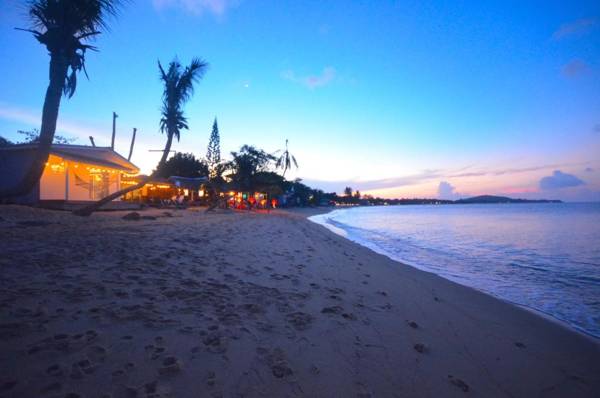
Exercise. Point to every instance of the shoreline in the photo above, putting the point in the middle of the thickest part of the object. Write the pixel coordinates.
(231, 304)
(550, 317)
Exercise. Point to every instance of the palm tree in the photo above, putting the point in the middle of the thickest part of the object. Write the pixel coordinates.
(63, 26)
(179, 87)
(286, 159)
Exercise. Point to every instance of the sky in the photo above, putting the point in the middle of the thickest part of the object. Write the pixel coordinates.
(393, 98)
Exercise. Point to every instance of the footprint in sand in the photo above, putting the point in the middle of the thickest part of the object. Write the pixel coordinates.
(215, 342)
(171, 365)
(276, 360)
(154, 352)
(349, 316)
(96, 353)
(81, 367)
(458, 383)
(299, 320)
(211, 379)
(336, 309)
(54, 370)
(420, 348)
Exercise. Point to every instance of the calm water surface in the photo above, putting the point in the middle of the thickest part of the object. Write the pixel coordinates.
(543, 256)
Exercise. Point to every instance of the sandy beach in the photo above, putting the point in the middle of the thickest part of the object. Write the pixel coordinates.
(236, 304)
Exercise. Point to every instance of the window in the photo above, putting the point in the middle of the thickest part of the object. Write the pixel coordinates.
(99, 185)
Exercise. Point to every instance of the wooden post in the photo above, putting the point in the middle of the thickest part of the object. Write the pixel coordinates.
(92, 141)
(132, 142)
(112, 141)
(66, 181)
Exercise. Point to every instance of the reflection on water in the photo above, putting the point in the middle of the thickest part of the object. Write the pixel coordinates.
(544, 256)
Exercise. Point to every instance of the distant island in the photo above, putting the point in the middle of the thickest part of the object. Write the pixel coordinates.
(368, 200)
(502, 199)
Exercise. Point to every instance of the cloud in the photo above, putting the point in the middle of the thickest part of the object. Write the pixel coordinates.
(67, 127)
(560, 180)
(596, 128)
(589, 170)
(575, 68)
(447, 191)
(580, 26)
(500, 172)
(312, 81)
(197, 7)
(426, 176)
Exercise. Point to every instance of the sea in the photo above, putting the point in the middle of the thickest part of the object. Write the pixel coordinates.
(544, 256)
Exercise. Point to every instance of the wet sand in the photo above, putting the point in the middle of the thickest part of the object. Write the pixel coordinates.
(232, 304)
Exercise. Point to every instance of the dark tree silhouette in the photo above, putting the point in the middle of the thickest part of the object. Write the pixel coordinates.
(33, 136)
(4, 142)
(179, 87)
(182, 165)
(286, 160)
(348, 191)
(213, 151)
(63, 27)
(246, 164)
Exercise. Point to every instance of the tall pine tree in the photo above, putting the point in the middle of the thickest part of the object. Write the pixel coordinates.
(213, 153)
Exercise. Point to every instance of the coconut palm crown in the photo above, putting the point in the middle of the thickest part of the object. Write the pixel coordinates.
(63, 27)
(286, 160)
(178, 89)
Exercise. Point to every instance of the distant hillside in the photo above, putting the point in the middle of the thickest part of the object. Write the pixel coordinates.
(502, 199)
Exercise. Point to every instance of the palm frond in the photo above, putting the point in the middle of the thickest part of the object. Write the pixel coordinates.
(63, 25)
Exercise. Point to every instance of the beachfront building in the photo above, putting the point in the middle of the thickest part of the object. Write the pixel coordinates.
(74, 174)
(160, 190)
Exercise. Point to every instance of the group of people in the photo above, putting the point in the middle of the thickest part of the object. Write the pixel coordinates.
(251, 203)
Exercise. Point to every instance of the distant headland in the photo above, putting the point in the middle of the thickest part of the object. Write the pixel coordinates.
(502, 199)
(367, 200)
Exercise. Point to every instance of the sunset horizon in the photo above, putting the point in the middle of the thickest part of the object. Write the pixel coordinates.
(451, 102)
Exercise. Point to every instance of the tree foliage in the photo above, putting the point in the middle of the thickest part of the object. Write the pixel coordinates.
(63, 26)
(213, 152)
(182, 165)
(5, 142)
(246, 164)
(33, 136)
(286, 160)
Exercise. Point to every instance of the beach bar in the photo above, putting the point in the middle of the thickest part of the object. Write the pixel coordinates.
(74, 175)
(158, 190)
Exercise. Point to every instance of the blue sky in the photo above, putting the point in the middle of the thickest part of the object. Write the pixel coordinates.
(399, 99)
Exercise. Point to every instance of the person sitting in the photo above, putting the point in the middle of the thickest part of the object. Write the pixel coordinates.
(180, 201)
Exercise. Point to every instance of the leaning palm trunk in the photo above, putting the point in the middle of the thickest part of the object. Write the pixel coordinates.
(89, 209)
(58, 70)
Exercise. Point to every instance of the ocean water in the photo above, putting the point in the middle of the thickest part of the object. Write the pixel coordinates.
(544, 256)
